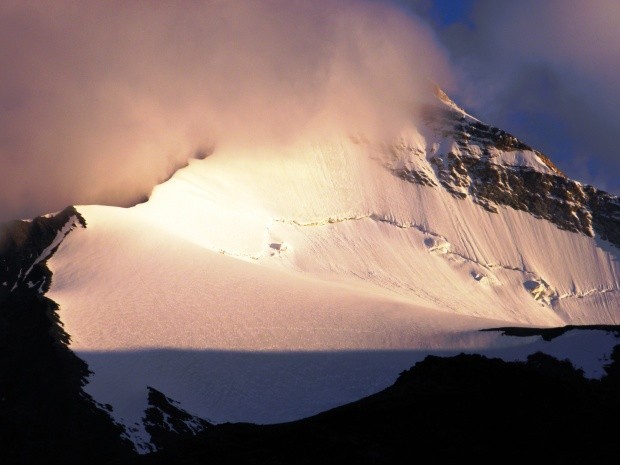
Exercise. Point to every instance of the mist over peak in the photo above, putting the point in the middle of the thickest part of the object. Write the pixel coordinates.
(102, 101)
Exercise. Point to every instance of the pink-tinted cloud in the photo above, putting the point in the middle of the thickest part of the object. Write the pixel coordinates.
(100, 100)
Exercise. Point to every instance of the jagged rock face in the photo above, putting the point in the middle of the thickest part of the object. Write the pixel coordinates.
(605, 214)
(166, 422)
(26, 245)
(471, 169)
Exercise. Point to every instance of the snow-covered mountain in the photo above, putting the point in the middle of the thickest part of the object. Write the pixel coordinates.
(272, 283)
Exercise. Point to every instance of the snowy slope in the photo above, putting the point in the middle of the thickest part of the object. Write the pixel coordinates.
(270, 283)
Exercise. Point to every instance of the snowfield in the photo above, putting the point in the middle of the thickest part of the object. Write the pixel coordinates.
(269, 284)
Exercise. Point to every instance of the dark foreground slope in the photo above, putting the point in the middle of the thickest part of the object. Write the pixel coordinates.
(444, 409)
(45, 416)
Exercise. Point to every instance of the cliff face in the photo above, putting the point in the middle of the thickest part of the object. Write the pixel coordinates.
(474, 163)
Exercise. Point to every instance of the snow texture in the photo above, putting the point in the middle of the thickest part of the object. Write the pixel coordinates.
(272, 284)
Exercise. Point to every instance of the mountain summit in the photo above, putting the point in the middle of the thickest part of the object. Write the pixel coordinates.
(270, 283)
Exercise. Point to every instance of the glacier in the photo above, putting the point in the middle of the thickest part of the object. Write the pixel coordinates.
(268, 283)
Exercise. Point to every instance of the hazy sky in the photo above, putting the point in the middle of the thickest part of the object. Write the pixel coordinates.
(100, 100)
(547, 71)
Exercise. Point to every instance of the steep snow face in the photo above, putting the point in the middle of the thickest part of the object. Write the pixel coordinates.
(156, 291)
(319, 248)
(339, 212)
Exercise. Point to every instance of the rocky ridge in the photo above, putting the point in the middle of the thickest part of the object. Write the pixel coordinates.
(471, 162)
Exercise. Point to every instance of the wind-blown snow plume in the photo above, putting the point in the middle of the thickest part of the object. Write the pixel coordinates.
(101, 100)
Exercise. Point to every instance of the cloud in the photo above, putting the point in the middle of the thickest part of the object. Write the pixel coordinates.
(547, 71)
(101, 100)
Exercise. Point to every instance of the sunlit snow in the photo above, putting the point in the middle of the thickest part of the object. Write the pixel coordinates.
(269, 284)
